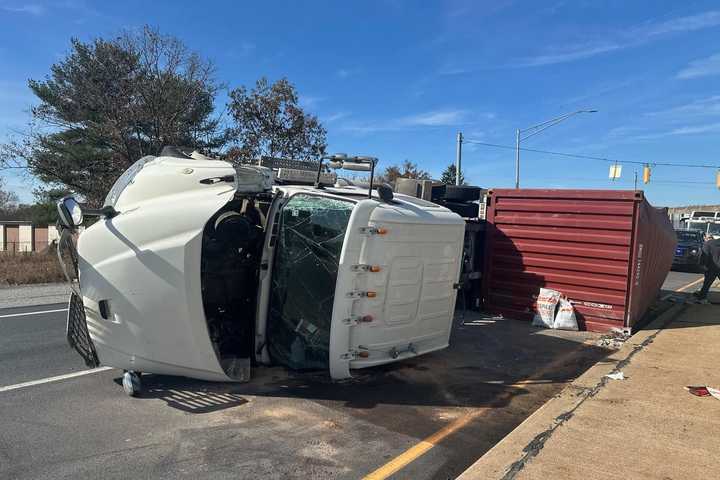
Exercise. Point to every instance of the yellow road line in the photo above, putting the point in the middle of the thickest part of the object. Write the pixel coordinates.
(411, 454)
(685, 287)
(419, 449)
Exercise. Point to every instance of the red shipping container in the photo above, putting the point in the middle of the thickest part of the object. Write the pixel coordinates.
(608, 251)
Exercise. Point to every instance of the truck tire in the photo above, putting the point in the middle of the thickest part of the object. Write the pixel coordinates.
(465, 210)
(462, 193)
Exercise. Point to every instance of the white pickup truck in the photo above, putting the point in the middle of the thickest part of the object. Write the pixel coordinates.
(201, 269)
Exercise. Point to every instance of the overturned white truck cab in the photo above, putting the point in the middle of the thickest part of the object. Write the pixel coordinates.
(200, 269)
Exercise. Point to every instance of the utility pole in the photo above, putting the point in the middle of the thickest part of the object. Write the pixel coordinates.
(458, 158)
(517, 158)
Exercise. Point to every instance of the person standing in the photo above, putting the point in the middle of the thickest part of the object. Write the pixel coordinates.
(711, 261)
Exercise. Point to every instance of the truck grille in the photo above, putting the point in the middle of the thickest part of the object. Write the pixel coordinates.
(77, 332)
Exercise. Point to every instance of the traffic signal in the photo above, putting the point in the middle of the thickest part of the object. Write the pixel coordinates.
(717, 179)
(646, 174)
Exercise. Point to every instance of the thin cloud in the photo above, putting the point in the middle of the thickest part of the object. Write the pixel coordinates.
(334, 117)
(687, 130)
(309, 101)
(632, 37)
(701, 68)
(434, 118)
(347, 72)
(29, 8)
(702, 107)
(712, 127)
(685, 24)
(566, 55)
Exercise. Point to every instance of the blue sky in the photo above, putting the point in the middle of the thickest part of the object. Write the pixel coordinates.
(398, 79)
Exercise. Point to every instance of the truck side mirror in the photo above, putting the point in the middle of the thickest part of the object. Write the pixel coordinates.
(70, 213)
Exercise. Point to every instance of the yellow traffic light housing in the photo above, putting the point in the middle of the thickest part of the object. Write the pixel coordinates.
(717, 179)
(646, 174)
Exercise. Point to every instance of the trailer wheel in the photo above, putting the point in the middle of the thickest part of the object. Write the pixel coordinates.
(132, 384)
(462, 193)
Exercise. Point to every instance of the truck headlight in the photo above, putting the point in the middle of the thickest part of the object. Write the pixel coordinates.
(694, 251)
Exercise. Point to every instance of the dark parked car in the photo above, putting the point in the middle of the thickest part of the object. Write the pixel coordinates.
(689, 247)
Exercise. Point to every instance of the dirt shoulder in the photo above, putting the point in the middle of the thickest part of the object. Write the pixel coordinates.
(29, 268)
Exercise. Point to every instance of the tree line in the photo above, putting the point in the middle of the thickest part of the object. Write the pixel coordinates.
(109, 102)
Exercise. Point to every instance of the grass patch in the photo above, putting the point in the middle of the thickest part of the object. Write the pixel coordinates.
(20, 268)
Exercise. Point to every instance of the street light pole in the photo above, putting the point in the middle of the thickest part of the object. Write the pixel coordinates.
(534, 130)
(517, 158)
(458, 158)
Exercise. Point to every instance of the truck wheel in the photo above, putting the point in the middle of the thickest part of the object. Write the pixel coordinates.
(462, 193)
(132, 384)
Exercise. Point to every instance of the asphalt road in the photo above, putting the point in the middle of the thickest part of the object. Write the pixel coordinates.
(430, 417)
(32, 344)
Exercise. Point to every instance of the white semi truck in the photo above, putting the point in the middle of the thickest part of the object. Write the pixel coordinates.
(201, 269)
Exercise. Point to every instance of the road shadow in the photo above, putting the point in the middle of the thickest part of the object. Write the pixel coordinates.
(187, 395)
(481, 368)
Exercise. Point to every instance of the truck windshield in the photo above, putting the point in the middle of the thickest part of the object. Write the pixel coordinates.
(702, 226)
(688, 236)
(310, 239)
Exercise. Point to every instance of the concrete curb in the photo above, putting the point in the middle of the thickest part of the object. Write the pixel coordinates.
(509, 456)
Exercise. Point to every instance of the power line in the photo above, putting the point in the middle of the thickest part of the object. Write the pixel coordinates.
(590, 157)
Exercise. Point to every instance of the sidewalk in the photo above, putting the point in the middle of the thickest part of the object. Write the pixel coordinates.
(644, 427)
(31, 295)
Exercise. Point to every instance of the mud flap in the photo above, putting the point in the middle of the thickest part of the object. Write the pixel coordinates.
(77, 332)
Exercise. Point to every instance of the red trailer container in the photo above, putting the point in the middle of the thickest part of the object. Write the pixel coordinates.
(608, 251)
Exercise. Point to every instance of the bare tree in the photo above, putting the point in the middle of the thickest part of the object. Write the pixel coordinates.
(269, 121)
(8, 199)
(407, 169)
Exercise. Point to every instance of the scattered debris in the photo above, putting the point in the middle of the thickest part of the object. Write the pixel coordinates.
(703, 391)
(482, 319)
(612, 340)
(616, 376)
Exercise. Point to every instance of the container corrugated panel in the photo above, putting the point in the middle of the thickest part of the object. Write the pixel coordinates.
(608, 251)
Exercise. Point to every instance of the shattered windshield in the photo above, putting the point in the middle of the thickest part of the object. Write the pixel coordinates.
(310, 239)
(688, 235)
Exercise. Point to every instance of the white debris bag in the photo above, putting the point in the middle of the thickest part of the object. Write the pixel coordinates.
(565, 318)
(546, 302)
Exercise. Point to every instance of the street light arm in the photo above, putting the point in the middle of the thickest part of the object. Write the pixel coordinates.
(534, 130)
(554, 121)
(543, 128)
